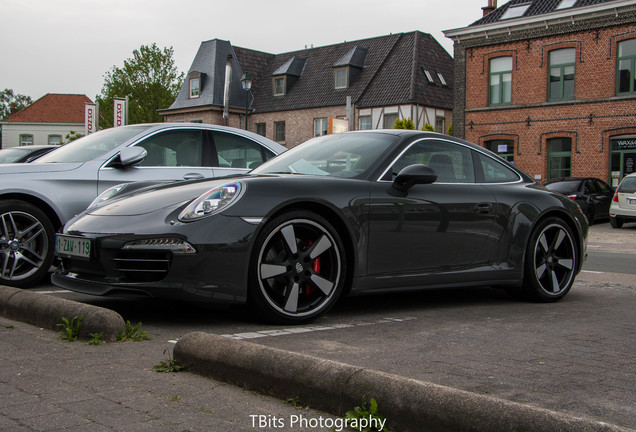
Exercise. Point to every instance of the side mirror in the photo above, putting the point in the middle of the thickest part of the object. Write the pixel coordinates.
(412, 175)
(131, 156)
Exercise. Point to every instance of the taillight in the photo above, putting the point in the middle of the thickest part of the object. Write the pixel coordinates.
(572, 197)
(615, 197)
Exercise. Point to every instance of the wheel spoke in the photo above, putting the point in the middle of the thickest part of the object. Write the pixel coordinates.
(558, 240)
(320, 247)
(289, 235)
(291, 302)
(323, 284)
(544, 243)
(540, 271)
(567, 263)
(5, 265)
(555, 282)
(271, 270)
(34, 235)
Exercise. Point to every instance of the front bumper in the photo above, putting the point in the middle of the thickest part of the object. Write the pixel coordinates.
(217, 272)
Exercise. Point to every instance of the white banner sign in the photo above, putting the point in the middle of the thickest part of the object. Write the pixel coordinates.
(90, 119)
(119, 118)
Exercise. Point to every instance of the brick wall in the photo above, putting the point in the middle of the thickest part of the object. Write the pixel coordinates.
(594, 116)
(299, 124)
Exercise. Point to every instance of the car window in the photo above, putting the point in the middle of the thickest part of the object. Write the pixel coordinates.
(12, 154)
(591, 187)
(452, 163)
(603, 187)
(628, 185)
(495, 171)
(565, 187)
(173, 148)
(235, 151)
(92, 146)
(335, 155)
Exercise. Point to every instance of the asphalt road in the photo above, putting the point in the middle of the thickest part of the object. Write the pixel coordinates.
(574, 356)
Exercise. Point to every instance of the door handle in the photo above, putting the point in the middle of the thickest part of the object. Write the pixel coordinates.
(483, 208)
(193, 176)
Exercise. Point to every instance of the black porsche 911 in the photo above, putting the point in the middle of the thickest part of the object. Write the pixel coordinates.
(358, 212)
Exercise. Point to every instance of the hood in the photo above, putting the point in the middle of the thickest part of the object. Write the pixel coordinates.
(33, 168)
(156, 198)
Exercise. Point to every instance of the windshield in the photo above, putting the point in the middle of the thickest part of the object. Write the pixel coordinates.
(628, 185)
(337, 155)
(12, 154)
(565, 187)
(92, 146)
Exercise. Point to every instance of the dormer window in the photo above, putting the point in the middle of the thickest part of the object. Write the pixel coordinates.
(279, 86)
(195, 83)
(566, 4)
(515, 11)
(195, 87)
(341, 77)
(287, 74)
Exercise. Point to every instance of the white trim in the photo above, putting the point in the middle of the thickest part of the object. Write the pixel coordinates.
(543, 20)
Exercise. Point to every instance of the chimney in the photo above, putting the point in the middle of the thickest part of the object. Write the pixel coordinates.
(492, 5)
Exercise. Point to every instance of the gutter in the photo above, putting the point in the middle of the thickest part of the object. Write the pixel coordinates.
(566, 16)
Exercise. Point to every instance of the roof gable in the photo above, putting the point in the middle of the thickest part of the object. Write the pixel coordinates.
(53, 108)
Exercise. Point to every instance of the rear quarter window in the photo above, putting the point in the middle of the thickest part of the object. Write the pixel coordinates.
(495, 171)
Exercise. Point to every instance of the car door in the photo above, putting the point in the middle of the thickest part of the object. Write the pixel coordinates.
(175, 154)
(236, 154)
(603, 198)
(431, 228)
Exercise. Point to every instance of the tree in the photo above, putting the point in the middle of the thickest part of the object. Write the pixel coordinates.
(428, 127)
(11, 103)
(404, 124)
(151, 81)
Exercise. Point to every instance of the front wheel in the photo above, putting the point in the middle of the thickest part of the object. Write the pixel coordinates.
(298, 270)
(26, 244)
(551, 261)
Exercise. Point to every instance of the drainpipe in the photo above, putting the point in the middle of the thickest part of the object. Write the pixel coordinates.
(226, 94)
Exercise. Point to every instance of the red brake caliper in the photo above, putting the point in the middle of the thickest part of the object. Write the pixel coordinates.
(316, 267)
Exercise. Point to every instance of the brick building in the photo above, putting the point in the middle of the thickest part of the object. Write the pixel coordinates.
(550, 86)
(366, 84)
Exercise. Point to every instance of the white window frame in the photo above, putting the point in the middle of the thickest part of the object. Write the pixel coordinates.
(195, 90)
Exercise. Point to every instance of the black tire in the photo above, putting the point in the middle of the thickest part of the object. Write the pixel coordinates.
(27, 241)
(551, 261)
(616, 222)
(298, 269)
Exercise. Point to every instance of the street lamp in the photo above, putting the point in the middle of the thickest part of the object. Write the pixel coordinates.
(246, 82)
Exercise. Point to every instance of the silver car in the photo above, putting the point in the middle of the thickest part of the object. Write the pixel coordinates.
(36, 199)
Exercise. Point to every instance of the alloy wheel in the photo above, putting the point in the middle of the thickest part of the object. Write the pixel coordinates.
(23, 245)
(299, 268)
(554, 259)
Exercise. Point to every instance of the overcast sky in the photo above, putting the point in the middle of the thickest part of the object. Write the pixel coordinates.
(66, 46)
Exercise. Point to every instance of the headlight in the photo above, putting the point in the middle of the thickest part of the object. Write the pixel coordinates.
(106, 195)
(212, 202)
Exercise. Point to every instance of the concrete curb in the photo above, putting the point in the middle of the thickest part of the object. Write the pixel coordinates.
(47, 311)
(409, 405)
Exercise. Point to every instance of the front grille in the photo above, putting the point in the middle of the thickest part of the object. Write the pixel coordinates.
(143, 266)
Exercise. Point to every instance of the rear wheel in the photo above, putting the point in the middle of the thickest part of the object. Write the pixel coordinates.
(616, 222)
(26, 243)
(551, 261)
(298, 271)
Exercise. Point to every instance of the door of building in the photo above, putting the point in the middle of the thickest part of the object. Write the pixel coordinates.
(622, 158)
